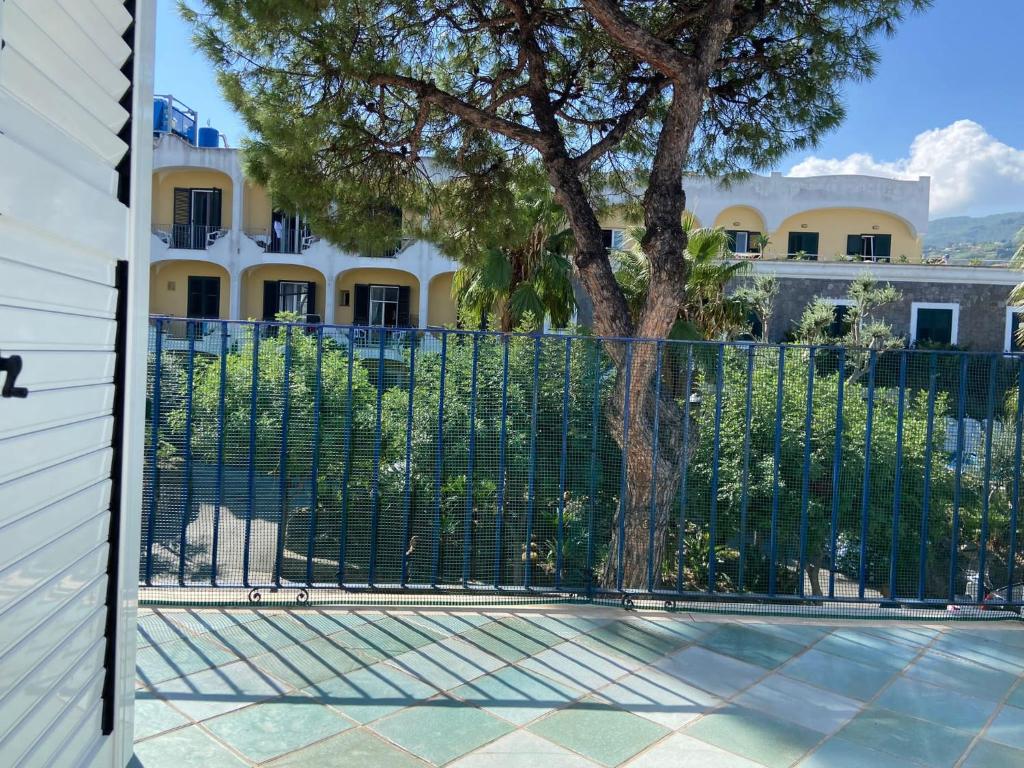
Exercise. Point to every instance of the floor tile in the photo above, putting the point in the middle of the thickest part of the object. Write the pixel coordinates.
(960, 675)
(155, 628)
(185, 748)
(800, 703)
(386, 636)
(990, 653)
(153, 716)
(310, 662)
(522, 749)
(352, 749)
(371, 692)
(834, 673)
(516, 694)
(178, 658)
(565, 626)
(598, 731)
(210, 619)
(642, 643)
(327, 622)
(511, 639)
(256, 637)
(682, 751)
(270, 729)
(804, 634)
(721, 675)
(1008, 727)
(659, 696)
(754, 735)
(1016, 698)
(867, 649)
(440, 730)
(912, 636)
(446, 624)
(578, 666)
(988, 754)
(940, 705)
(840, 753)
(447, 664)
(216, 691)
(929, 743)
(751, 646)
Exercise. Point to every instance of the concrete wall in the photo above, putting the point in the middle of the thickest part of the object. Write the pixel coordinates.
(165, 181)
(168, 286)
(348, 280)
(440, 302)
(256, 209)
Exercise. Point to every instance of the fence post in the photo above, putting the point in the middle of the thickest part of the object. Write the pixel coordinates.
(221, 408)
(531, 494)
(407, 490)
(716, 451)
(250, 506)
(1015, 493)
(187, 505)
(957, 479)
(154, 474)
(623, 488)
(773, 535)
(652, 507)
(467, 526)
(745, 477)
(805, 483)
(592, 489)
(837, 474)
(933, 377)
(371, 570)
(503, 431)
(314, 480)
(438, 461)
(282, 461)
(560, 522)
(684, 459)
(866, 485)
(347, 472)
(987, 482)
(897, 490)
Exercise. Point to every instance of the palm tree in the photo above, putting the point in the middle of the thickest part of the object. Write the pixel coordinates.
(707, 312)
(524, 278)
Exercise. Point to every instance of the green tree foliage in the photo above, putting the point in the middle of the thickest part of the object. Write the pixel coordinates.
(758, 295)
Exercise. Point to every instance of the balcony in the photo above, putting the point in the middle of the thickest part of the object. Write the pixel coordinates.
(195, 237)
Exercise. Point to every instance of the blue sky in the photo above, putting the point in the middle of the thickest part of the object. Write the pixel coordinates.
(948, 101)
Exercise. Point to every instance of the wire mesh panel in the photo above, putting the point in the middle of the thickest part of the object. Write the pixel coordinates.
(290, 456)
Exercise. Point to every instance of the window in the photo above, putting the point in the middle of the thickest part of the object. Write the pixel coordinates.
(803, 242)
(384, 305)
(613, 239)
(196, 217)
(742, 241)
(934, 323)
(870, 247)
(840, 317)
(203, 297)
(293, 297)
(1013, 323)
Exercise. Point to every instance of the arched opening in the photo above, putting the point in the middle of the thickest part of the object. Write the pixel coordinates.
(268, 289)
(745, 226)
(191, 207)
(441, 306)
(846, 234)
(377, 296)
(189, 288)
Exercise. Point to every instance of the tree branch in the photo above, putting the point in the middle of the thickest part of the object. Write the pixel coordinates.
(622, 126)
(646, 46)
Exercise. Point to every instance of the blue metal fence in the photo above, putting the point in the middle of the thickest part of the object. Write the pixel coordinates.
(293, 456)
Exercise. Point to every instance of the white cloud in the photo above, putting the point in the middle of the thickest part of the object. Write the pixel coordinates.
(972, 172)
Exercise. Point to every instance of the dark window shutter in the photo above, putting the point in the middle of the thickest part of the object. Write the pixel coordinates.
(731, 234)
(883, 246)
(313, 315)
(794, 243)
(270, 291)
(214, 218)
(182, 204)
(606, 238)
(811, 243)
(854, 245)
(361, 315)
(404, 321)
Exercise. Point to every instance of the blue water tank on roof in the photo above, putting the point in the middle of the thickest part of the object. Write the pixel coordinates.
(160, 115)
(209, 138)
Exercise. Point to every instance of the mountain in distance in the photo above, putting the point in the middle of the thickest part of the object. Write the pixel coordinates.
(991, 238)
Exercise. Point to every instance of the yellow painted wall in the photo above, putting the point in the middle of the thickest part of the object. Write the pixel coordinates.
(252, 286)
(441, 309)
(168, 299)
(348, 280)
(164, 183)
(740, 217)
(256, 208)
(834, 224)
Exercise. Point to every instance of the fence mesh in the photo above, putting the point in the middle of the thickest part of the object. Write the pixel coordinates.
(289, 457)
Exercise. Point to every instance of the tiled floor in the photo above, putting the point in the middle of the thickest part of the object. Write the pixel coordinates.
(559, 689)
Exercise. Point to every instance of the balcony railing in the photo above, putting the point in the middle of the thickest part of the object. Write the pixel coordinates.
(286, 243)
(195, 237)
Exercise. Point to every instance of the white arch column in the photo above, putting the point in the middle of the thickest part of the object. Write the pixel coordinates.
(331, 295)
(235, 303)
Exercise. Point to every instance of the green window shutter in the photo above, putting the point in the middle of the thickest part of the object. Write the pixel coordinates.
(182, 205)
(404, 319)
(270, 294)
(361, 313)
(811, 243)
(312, 315)
(854, 245)
(731, 234)
(883, 246)
(214, 217)
(794, 243)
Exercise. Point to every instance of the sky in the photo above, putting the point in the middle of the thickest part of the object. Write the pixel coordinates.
(947, 102)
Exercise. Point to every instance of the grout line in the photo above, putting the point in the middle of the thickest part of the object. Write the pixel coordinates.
(1003, 703)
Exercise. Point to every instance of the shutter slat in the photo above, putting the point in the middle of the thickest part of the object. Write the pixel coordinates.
(107, 39)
